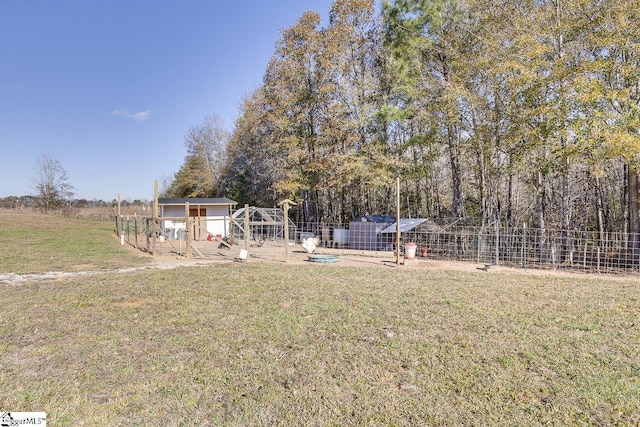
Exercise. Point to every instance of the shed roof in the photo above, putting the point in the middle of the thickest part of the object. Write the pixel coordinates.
(406, 224)
(379, 219)
(212, 201)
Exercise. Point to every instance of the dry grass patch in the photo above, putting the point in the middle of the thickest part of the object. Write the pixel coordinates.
(35, 243)
(322, 345)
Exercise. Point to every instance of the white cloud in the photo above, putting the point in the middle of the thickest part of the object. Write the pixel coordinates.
(138, 117)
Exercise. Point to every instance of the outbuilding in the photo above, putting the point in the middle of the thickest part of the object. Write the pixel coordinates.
(207, 216)
(365, 233)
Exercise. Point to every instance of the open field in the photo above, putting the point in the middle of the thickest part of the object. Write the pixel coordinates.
(34, 243)
(303, 344)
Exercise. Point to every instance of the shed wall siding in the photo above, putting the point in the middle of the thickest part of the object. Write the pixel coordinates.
(217, 220)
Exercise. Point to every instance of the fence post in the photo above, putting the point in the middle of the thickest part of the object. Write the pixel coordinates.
(187, 231)
(398, 221)
(480, 241)
(584, 253)
(524, 246)
(285, 209)
(247, 236)
(497, 242)
(154, 215)
(154, 236)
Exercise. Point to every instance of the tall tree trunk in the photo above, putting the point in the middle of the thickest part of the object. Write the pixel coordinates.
(599, 209)
(456, 182)
(625, 203)
(482, 187)
(567, 243)
(305, 206)
(634, 223)
(542, 208)
(510, 197)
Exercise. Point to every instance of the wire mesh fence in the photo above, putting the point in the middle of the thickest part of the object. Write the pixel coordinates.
(177, 237)
(492, 243)
(132, 230)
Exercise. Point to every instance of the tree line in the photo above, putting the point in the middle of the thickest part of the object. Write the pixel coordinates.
(35, 203)
(522, 110)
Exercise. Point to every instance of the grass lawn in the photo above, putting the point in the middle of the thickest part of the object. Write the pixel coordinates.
(274, 344)
(34, 243)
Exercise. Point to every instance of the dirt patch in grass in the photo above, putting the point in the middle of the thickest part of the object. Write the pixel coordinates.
(133, 304)
(273, 254)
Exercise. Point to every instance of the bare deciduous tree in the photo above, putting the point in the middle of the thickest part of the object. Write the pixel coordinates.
(51, 183)
(200, 174)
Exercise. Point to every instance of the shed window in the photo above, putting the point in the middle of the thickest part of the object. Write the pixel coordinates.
(193, 212)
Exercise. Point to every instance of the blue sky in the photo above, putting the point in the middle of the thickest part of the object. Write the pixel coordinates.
(110, 88)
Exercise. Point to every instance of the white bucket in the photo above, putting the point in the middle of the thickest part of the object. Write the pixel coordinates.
(410, 250)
